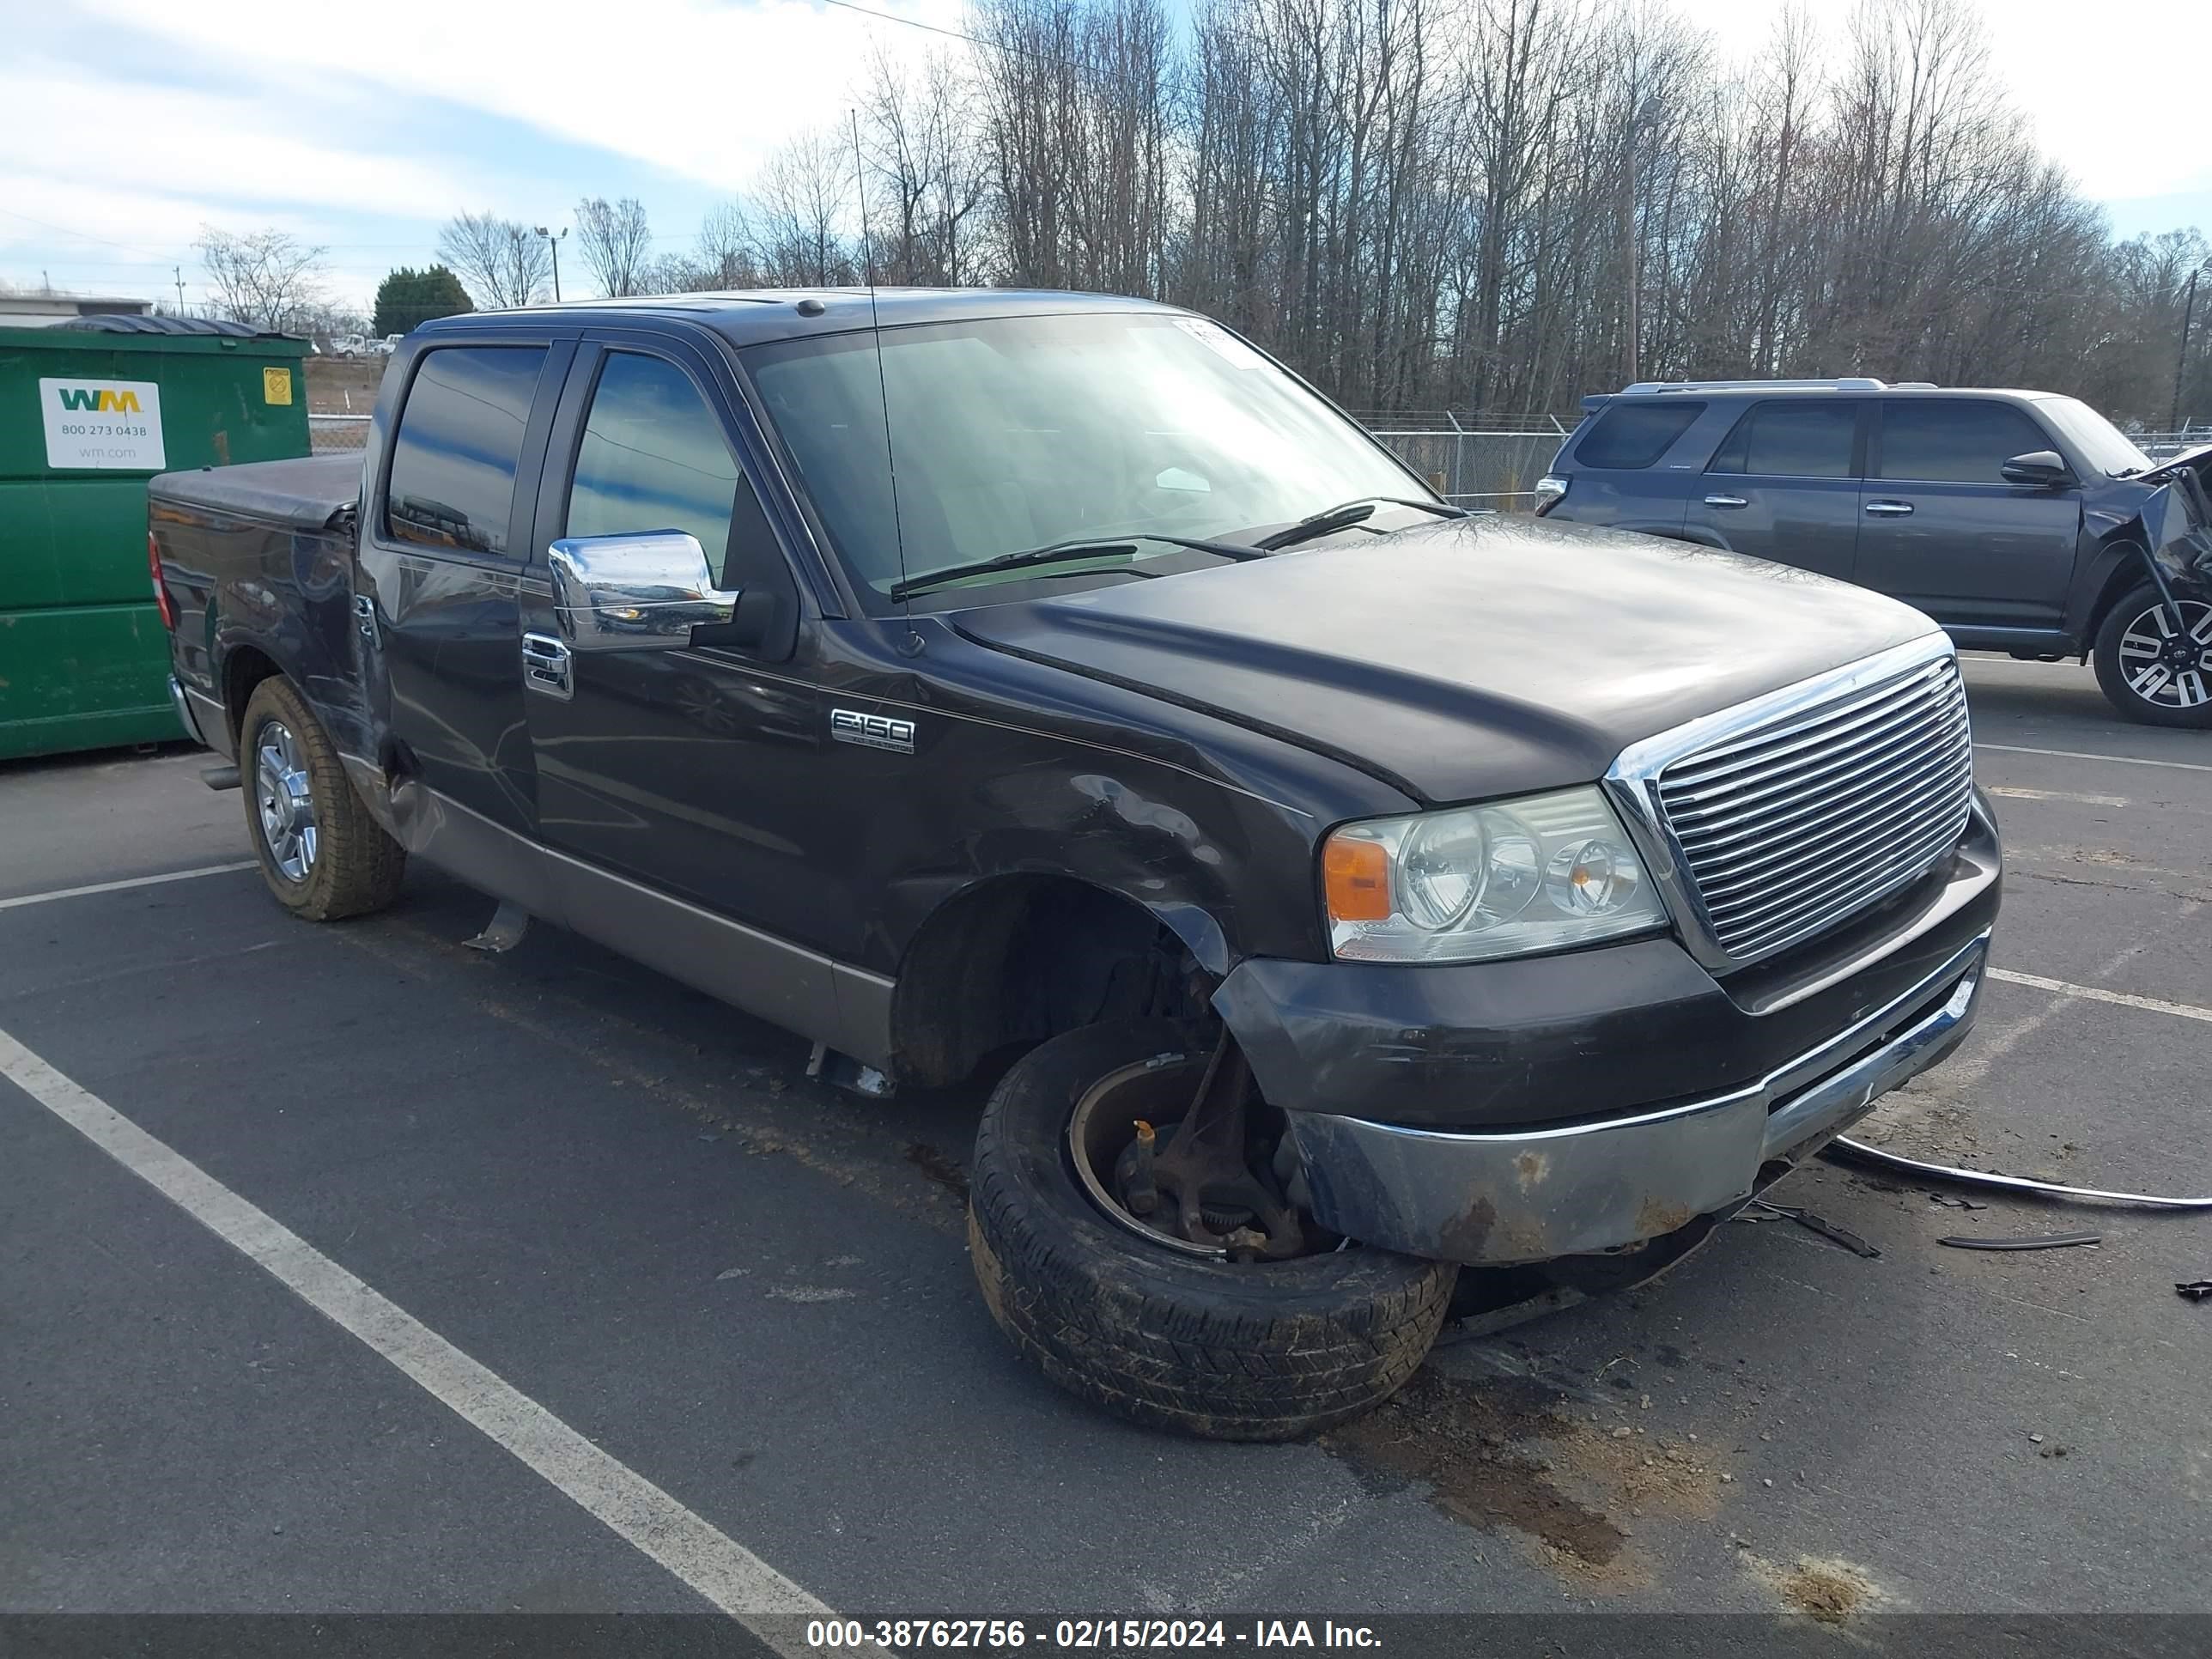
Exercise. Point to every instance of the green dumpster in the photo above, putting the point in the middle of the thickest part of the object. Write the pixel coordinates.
(87, 415)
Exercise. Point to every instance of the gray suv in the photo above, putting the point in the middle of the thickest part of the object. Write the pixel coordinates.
(2020, 521)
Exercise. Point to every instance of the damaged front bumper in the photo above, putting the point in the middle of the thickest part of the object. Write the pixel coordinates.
(1538, 1194)
(1531, 1108)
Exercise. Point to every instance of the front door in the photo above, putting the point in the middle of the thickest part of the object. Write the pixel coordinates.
(1939, 528)
(679, 784)
(1783, 485)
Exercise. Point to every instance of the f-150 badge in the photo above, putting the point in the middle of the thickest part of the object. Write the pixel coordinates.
(872, 731)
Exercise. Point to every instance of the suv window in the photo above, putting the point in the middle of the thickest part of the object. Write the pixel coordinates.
(1952, 440)
(653, 457)
(459, 439)
(1791, 438)
(1628, 436)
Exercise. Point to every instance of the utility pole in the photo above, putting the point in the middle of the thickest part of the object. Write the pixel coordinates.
(178, 271)
(554, 242)
(1645, 115)
(2181, 359)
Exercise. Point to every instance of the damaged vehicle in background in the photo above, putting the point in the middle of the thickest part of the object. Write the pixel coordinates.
(1349, 903)
(2022, 521)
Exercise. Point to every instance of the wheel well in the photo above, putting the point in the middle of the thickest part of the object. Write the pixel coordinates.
(2124, 578)
(242, 670)
(1019, 958)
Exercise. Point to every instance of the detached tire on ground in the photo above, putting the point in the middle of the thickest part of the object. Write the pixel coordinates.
(322, 854)
(1266, 1351)
(2140, 635)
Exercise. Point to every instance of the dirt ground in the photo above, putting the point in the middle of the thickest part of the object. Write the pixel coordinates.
(336, 386)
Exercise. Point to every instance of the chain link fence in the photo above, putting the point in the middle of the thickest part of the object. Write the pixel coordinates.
(327, 432)
(2165, 445)
(1469, 464)
(1479, 461)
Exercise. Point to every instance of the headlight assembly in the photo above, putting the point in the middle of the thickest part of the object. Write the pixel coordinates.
(1472, 882)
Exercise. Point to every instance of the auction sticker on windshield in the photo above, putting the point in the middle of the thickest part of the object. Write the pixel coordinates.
(103, 423)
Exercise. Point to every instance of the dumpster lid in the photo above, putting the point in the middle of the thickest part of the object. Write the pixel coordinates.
(118, 324)
(313, 492)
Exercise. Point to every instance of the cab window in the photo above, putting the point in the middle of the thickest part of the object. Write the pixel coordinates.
(458, 442)
(1628, 437)
(1791, 439)
(652, 457)
(1944, 441)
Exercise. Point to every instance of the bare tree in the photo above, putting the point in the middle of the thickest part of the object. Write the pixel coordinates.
(804, 199)
(267, 278)
(1498, 204)
(616, 243)
(502, 262)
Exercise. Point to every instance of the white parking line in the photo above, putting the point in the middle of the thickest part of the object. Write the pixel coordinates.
(118, 886)
(719, 1568)
(2079, 754)
(2056, 794)
(2091, 993)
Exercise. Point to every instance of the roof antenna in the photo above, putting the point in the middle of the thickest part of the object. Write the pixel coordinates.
(911, 645)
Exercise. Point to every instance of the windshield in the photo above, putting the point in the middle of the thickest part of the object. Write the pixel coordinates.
(1013, 432)
(2103, 445)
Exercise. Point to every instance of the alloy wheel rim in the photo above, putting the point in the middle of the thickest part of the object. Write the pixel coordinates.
(2168, 663)
(283, 795)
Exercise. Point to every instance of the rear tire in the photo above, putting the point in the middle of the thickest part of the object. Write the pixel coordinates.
(2137, 634)
(324, 857)
(1262, 1352)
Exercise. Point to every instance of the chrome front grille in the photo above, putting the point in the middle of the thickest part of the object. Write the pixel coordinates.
(1802, 819)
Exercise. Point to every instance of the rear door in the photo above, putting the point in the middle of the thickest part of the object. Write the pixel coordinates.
(1939, 528)
(441, 561)
(1785, 485)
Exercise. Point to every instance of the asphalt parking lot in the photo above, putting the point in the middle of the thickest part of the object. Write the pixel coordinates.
(614, 1262)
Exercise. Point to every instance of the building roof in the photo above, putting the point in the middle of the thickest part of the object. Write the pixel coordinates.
(51, 303)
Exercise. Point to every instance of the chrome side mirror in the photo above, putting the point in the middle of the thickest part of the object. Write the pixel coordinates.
(635, 592)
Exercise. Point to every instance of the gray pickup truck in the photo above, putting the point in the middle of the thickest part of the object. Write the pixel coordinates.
(1348, 903)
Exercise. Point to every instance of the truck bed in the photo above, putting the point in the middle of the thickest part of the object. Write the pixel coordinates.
(313, 492)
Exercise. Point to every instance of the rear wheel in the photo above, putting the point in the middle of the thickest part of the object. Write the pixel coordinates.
(1170, 1333)
(2155, 666)
(322, 854)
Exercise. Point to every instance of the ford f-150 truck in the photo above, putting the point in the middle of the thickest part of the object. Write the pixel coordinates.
(1348, 895)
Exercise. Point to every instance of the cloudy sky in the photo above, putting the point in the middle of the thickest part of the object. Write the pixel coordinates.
(127, 124)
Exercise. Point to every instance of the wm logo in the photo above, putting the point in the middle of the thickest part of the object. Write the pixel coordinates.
(101, 400)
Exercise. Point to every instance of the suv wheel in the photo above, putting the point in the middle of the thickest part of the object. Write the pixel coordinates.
(1163, 1332)
(322, 854)
(2153, 667)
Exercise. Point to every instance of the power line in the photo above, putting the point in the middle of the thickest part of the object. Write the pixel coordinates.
(914, 23)
(82, 235)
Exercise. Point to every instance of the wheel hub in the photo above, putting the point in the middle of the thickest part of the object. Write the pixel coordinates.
(284, 800)
(2165, 654)
(1186, 1183)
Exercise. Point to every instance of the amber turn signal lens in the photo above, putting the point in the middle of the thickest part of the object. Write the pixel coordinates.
(1356, 879)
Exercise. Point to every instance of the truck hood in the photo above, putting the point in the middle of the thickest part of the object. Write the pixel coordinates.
(1469, 658)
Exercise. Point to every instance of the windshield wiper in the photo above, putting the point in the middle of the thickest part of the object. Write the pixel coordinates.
(1345, 515)
(1057, 552)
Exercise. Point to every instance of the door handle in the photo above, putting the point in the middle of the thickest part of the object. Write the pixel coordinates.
(1725, 501)
(545, 666)
(1889, 510)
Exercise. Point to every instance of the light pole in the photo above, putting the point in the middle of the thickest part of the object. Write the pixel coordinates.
(554, 242)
